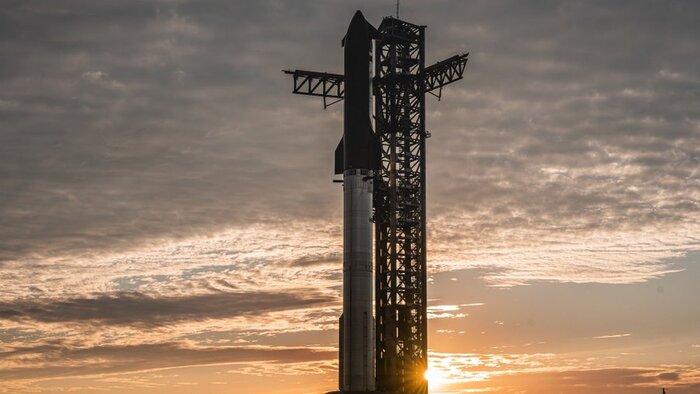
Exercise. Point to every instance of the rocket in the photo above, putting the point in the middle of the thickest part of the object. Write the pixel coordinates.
(357, 157)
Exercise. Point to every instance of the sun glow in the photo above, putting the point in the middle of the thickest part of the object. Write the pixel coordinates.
(435, 377)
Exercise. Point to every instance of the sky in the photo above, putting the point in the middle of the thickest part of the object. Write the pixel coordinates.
(168, 221)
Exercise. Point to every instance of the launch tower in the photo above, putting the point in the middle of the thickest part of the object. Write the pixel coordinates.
(399, 85)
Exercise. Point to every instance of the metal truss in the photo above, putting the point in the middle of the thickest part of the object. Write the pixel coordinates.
(313, 83)
(400, 226)
(328, 85)
(443, 73)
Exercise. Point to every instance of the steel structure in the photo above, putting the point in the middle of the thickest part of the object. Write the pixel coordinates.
(400, 253)
(331, 86)
(400, 83)
(312, 83)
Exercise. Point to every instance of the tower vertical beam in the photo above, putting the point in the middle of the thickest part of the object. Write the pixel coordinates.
(424, 220)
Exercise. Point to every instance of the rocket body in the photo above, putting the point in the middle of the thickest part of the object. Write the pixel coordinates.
(357, 157)
(358, 372)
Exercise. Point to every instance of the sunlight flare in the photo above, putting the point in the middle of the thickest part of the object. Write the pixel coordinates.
(435, 377)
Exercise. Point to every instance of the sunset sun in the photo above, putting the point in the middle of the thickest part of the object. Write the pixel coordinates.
(435, 377)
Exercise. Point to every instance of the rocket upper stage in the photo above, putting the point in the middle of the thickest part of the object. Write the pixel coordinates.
(359, 147)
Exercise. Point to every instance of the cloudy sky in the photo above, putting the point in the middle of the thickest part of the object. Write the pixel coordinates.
(168, 221)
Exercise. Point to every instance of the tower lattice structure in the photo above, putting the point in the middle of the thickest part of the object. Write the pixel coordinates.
(400, 211)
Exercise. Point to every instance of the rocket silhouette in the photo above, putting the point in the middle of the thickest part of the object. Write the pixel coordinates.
(359, 147)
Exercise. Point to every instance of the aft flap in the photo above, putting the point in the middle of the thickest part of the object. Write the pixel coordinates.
(340, 157)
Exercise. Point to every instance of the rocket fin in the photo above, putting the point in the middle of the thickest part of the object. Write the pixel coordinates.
(340, 157)
(373, 32)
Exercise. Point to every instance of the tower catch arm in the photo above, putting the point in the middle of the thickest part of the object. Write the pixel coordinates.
(443, 73)
(321, 84)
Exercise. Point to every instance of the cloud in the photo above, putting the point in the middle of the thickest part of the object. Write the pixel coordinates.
(134, 155)
(612, 336)
(49, 361)
(94, 75)
(670, 376)
(445, 312)
(532, 373)
(142, 310)
(612, 380)
(170, 144)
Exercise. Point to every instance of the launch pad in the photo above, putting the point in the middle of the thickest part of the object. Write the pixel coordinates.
(399, 84)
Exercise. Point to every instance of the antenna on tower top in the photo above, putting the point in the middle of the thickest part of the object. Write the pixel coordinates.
(397, 9)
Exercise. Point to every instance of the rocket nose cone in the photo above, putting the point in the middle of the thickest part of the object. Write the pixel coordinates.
(358, 21)
(358, 17)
